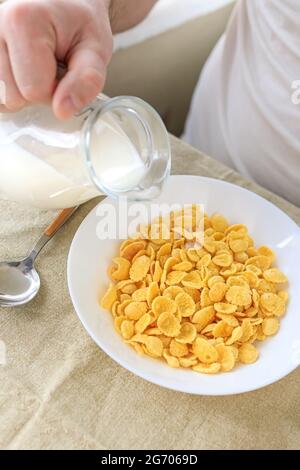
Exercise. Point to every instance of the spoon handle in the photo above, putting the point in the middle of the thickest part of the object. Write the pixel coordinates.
(51, 230)
(60, 220)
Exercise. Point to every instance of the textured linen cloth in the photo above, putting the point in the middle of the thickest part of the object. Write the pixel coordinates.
(58, 390)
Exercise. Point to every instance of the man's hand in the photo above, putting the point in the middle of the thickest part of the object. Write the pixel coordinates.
(36, 34)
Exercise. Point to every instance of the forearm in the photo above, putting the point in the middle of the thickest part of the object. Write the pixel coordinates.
(125, 14)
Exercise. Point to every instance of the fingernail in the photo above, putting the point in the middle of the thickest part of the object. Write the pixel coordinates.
(68, 105)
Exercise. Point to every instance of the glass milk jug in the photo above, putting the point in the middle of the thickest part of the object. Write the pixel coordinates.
(118, 147)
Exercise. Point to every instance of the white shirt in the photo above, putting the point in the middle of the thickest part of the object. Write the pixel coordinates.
(246, 108)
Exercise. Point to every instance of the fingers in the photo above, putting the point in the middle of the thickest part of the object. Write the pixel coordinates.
(31, 43)
(34, 33)
(84, 80)
(10, 98)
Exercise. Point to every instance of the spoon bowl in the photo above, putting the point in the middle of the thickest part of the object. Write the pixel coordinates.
(19, 282)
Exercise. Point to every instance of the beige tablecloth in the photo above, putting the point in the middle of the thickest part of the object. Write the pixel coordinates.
(58, 390)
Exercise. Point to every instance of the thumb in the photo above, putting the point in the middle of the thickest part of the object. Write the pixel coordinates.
(84, 80)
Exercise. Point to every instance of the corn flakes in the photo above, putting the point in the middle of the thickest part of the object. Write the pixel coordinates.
(205, 351)
(187, 333)
(127, 329)
(178, 349)
(203, 317)
(226, 357)
(140, 268)
(185, 304)
(154, 346)
(208, 368)
(239, 295)
(217, 291)
(109, 298)
(132, 249)
(171, 360)
(163, 304)
(173, 291)
(168, 324)
(198, 304)
(143, 323)
(192, 280)
(274, 275)
(135, 310)
(270, 326)
(248, 353)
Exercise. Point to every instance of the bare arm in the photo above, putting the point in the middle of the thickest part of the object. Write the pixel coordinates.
(125, 14)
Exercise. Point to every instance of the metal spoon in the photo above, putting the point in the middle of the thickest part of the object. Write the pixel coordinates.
(19, 280)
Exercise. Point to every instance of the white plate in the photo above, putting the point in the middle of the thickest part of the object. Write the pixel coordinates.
(89, 258)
